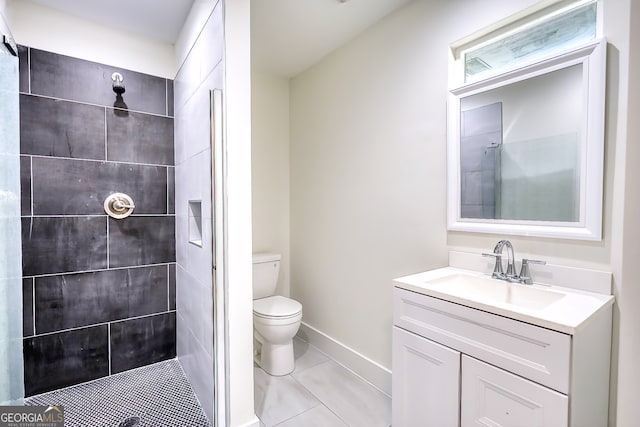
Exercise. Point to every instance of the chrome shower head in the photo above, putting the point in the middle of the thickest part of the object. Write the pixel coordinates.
(118, 83)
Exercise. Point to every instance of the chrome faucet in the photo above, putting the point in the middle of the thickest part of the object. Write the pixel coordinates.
(511, 269)
(510, 275)
(498, 273)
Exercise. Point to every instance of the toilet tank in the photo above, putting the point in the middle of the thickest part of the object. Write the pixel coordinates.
(265, 274)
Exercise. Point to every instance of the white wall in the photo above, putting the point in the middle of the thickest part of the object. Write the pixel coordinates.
(368, 152)
(627, 380)
(367, 180)
(48, 29)
(345, 247)
(270, 168)
(238, 136)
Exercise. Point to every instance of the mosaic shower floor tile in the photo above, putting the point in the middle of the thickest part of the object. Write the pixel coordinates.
(157, 395)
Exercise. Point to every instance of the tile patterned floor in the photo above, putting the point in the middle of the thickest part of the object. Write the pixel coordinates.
(157, 395)
(319, 393)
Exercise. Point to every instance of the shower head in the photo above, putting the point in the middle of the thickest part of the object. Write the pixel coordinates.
(118, 83)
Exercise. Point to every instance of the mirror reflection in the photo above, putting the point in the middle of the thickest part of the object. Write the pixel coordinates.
(521, 149)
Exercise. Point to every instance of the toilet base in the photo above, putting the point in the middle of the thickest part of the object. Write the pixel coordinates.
(275, 359)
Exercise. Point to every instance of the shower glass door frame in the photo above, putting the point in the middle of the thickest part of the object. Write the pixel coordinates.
(219, 245)
(11, 363)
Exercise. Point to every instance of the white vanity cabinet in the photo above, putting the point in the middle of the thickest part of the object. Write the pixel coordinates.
(426, 388)
(454, 365)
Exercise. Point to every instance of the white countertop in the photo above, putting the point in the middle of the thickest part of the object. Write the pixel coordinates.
(570, 310)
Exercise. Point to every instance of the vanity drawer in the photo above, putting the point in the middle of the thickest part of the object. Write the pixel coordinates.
(493, 397)
(539, 354)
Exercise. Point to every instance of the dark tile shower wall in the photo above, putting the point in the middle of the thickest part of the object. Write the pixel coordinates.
(98, 293)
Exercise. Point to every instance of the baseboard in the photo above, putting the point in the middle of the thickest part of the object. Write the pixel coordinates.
(253, 423)
(373, 372)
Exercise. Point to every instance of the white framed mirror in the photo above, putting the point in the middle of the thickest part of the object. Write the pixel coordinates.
(525, 149)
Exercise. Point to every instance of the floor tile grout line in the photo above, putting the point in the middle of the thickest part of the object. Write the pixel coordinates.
(320, 401)
(317, 397)
(337, 416)
(291, 376)
(360, 378)
(351, 371)
(314, 395)
(327, 358)
(296, 371)
(297, 415)
(347, 371)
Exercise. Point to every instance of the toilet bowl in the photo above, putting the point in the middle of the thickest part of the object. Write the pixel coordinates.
(274, 329)
(276, 319)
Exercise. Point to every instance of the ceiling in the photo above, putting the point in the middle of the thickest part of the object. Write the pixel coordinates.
(288, 36)
(160, 20)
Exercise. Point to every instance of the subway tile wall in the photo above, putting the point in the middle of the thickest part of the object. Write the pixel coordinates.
(98, 293)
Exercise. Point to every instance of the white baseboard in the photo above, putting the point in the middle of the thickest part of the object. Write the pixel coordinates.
(373, 372)
(253, 423)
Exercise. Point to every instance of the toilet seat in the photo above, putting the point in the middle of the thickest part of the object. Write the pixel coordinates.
(276, 307)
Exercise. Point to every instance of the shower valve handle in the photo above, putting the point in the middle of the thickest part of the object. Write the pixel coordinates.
(120, 205)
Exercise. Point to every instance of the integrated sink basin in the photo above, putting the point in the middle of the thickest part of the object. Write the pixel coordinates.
(560, 308)
(465, 285)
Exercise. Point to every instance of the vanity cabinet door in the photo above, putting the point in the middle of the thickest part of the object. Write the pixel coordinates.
(426, 382)
(493, 397)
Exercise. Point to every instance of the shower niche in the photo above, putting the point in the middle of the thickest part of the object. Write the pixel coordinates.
(195, 222)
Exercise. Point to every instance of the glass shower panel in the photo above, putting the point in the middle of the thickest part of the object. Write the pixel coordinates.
(541, 179)
(11, 370)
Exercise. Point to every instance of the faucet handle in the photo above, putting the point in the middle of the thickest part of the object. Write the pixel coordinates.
(497, 269)
(533, 261)
(525, 271)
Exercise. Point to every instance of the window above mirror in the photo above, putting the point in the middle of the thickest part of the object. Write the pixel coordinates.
(541, 38)
(548, 28)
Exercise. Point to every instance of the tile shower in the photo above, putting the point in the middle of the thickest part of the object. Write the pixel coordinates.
(98, 293)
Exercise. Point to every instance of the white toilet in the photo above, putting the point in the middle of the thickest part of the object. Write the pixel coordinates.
(276, 319)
